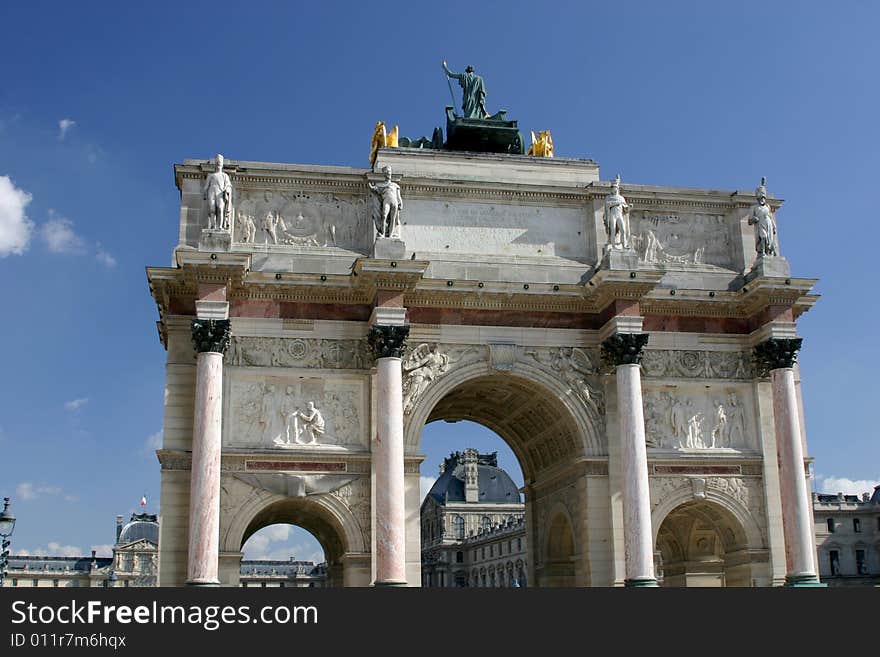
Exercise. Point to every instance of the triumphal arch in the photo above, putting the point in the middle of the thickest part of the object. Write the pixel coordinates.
(634, 344)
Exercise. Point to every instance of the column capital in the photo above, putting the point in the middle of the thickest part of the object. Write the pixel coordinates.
(388, 341)
(624, 348)
(210, 335)
(776, 353)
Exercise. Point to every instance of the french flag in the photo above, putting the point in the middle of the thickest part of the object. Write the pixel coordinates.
(144, 500)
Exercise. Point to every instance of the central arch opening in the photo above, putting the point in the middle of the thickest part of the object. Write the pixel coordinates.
(488, 515)
(291, 525)
(283, 555)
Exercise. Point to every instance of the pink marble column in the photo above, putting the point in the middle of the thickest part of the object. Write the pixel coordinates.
(210, 337)
(625, 351)
(778, 355)
(388, 343)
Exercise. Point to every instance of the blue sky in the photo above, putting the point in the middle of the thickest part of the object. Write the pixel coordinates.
(688, 94)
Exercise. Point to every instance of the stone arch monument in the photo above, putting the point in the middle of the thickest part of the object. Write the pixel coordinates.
(630, 342)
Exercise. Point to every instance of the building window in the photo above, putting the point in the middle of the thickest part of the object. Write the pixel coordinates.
(491, 550)
(459, 557)
(55, 583)
(15, 582)
(857, 525)
(475, 554)
(35, 582)
(126, 584)
(834, 557)
(878, 523)
(519, 545)
(458, 527)
(509, 547)
(460, 580)
(487, 523)
(861, 568)
(831, 525)
(483, 552)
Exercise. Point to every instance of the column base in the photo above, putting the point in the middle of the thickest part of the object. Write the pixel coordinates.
(203, 583)
(641, 583)
(388, 584)
(803, 581)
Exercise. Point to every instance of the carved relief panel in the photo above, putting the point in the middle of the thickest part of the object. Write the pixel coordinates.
(682, 239)
(282, 411)
(698, 418)
(296, 218)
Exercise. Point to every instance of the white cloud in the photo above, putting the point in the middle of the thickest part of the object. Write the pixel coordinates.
(60, 236)
(104, 257)
(27, 490)
(103, 550)
(833, 485)
(76, 404)
(425, 484)
(63, 126)
(15, 227)
(54, 549)
(275, 542)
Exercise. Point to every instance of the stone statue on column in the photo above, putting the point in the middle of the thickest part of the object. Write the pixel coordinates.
(617, 219)
(761, 217)
(389, 206)
(218, 194)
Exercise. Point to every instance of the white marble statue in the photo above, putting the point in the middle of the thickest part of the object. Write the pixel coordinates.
(271, 222)
(308, 423)
(248, 228)
(390, 206)
(218, 194)
(720, 435)
(762, 219)
(617, 219)
(736, 422)
(421, 367)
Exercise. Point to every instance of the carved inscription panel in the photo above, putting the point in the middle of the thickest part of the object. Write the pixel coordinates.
(283, 411)
(494, 229)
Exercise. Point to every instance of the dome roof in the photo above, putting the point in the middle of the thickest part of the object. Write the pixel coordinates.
(141, 527)
(494, 485)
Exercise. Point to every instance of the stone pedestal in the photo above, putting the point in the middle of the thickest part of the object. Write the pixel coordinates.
(389, 248)
(210, 337)
(215, 240)
(388, 344)
(772, 266)
(624, 259)
(778, 356)
(625, 352)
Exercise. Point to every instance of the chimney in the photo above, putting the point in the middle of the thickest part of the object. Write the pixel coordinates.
(118, 527)
(471, 480)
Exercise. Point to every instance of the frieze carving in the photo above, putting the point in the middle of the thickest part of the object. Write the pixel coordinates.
(624, 348)
(298, 352)
(776, 353)
(279, 412)
(689, 420)
(388, 341)
(210, 335)
(697, 364)
(300, 218)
